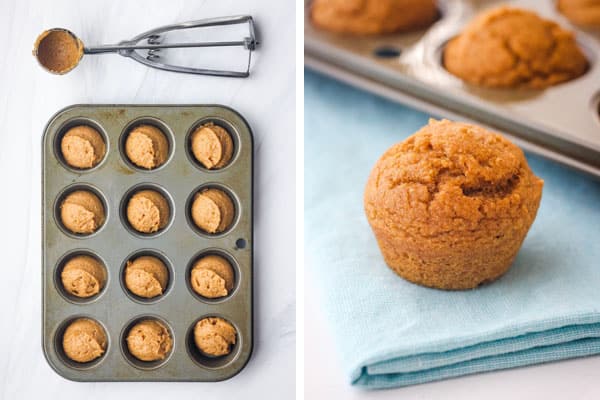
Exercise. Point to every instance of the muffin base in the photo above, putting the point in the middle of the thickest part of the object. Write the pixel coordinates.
(460, 269)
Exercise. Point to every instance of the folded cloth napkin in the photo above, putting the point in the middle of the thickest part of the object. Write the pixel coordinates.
(393, 333)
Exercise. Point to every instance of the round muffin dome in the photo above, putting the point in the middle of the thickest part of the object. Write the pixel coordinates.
(451, 205)
(510, 47)
(372, 17)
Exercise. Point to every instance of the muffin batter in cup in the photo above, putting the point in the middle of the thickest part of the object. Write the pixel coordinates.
(212, 210)
(147, 146)
(212, 146)
(84, 340)
(82, 212)
(149, 340)
(148, 211)
(212, 276)
(214, 336)
(373, 17)
(83, 276)
(508, 47)
(82, 147)
(146, 276)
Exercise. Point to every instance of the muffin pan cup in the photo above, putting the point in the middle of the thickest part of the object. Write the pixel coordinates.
(179, 243)
(561, 122)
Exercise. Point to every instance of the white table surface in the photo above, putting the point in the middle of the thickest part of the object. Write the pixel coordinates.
(29, 97)
(576, 379)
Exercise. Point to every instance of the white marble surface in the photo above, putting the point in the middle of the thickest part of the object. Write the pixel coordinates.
(29, 97)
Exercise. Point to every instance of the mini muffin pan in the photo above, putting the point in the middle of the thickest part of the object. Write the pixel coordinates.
(561, 123)
(179, 244)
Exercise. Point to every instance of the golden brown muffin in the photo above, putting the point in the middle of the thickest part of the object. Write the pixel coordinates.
(83, 276)
(212, 276)
(451, 205)
(147, 146)
(373, 17)
(149, 340)
(510, 47)
(212, 210)
(212, 146)
(58, 50)
(82, 212)
(146, 276)
(214, 336)
(581, 12)
(84, 340)
(82, 147)
(148, 211)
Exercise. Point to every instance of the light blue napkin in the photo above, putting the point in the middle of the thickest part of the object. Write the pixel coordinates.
(393, 333)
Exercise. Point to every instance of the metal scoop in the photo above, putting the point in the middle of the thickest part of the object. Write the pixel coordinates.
(59, 50)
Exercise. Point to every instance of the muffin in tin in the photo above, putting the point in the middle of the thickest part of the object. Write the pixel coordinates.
(146, 146)
(508, 47)
(372, 17)
(585, 13)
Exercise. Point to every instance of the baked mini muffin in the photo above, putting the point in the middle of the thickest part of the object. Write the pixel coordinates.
(212, 210)
(211, 146)
(83, 276)
(581, 12)
(146, 276)
(373, 17)
(84, 340)
(147, 146)
(148, 211)
(212, 276)
(450, 206)
(509, 47)
(82, 147)
(82, 212)
(149, 340)
(214, 336)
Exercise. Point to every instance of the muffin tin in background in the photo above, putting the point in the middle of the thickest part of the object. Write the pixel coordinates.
(179, 244)
(561, 123)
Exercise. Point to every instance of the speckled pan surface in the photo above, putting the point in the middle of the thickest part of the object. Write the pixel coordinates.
(561, 122)
(179, 244)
